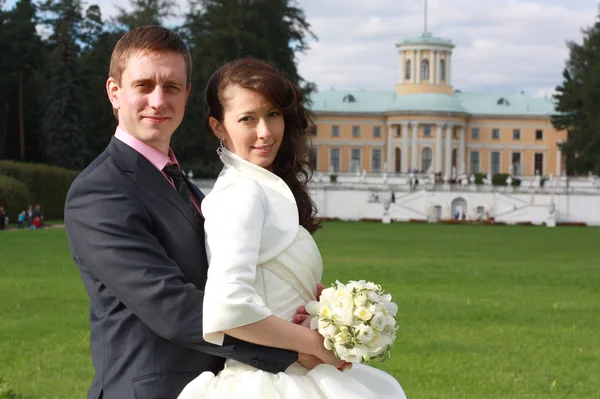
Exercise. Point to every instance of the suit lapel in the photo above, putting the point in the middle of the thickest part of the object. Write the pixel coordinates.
(146, 175)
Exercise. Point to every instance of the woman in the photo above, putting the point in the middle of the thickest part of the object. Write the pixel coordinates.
(264, 263)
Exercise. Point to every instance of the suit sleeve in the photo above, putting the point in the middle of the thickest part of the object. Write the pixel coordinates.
(110, 234)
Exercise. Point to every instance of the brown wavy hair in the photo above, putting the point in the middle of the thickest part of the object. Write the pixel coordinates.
(291, 162)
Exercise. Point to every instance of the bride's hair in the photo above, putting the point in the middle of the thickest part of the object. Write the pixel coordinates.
(291, 163)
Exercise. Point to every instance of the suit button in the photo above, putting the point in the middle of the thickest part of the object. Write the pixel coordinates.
(261, 365)
(268, 367)
(254, 363)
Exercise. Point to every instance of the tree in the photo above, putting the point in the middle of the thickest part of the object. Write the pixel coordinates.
(145, 12)
(221, 30)
(25, 48)
(95, 62)
(578, 104)
(64, 125)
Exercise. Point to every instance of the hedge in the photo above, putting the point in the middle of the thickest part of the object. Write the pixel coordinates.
(499, 179)
(13, 196)
(47, 185)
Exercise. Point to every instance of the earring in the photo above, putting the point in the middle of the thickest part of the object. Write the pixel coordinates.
(221, 147)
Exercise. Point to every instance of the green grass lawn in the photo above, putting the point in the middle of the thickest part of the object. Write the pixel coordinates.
(485, 311)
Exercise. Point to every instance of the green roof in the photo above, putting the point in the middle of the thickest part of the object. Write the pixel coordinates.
(357, 101)
(426, 38)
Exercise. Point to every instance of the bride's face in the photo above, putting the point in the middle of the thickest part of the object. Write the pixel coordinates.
(252, 127)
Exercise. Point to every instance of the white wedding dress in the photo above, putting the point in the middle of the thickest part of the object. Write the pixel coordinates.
(289, 267)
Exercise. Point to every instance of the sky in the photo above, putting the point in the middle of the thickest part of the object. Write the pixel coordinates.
(501, 45)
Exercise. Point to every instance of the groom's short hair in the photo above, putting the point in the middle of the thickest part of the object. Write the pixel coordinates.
(150, 39)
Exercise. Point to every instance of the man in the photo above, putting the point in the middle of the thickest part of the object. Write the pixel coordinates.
(3, 218)
(137, 236)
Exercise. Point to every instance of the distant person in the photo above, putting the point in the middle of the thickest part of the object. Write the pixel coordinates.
(22, 220)
(3, 218)
(29, 216)
(37, 213)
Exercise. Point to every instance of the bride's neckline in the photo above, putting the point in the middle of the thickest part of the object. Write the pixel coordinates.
(256, 172)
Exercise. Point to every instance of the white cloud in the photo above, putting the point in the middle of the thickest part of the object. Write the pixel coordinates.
(505, 45)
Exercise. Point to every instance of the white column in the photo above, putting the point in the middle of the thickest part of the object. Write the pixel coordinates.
(413, 62)
(401, 69)
(418, 66)
(448, 156)
(389, 161)
(433, 67)
(558, 162)
(405, 151)
(438, 150)
(461, 152)
(449, 68)
(415, 138)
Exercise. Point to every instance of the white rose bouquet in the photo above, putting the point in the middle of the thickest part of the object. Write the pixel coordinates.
(357, 320)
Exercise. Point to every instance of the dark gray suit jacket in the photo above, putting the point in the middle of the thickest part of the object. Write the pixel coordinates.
(142, 258)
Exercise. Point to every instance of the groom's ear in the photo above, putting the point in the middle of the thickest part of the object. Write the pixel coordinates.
(112, 89)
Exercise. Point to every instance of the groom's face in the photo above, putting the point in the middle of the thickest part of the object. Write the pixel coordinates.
(151, 97)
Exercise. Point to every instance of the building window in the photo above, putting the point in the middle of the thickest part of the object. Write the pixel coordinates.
(515, 164)
(425, 69)
(474, 162)
(355, 160)
(475, 133)
(427, 130)
(539, 134)
(443, 70)
(397, 160)
(454, 132)
(398, 130)
(312, 157)
(408, 68)
(538, 162)
(334, 160)
(516, 134)
(426, 159)
(335, 131)
(495, 169)
(313, 130)
(376, 160)
(355, 131)
(377, 131)
(495, 134)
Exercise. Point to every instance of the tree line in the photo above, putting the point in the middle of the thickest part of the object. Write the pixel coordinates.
(55, 61)
(56, 53)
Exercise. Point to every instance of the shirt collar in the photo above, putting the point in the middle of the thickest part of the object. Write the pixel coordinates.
(154, 156)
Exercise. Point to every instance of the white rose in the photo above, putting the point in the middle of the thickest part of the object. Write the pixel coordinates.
(372, 286)
(392, 308)
(358, 354)
(379, 321)
(361, 299)
(365, 334)
(382, 340)
(373, 297)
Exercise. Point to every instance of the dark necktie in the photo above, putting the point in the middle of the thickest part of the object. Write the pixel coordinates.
(181, 185)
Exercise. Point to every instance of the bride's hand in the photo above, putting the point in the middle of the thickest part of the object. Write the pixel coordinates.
(327, 356)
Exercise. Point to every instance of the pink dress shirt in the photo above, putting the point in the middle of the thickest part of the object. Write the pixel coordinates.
(154, 156)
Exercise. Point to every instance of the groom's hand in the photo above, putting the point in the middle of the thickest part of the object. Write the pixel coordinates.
(302, 317)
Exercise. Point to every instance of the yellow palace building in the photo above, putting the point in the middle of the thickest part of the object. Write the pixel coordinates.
(425, 126)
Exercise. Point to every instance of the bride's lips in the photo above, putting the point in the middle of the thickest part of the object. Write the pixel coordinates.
(263, 149)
